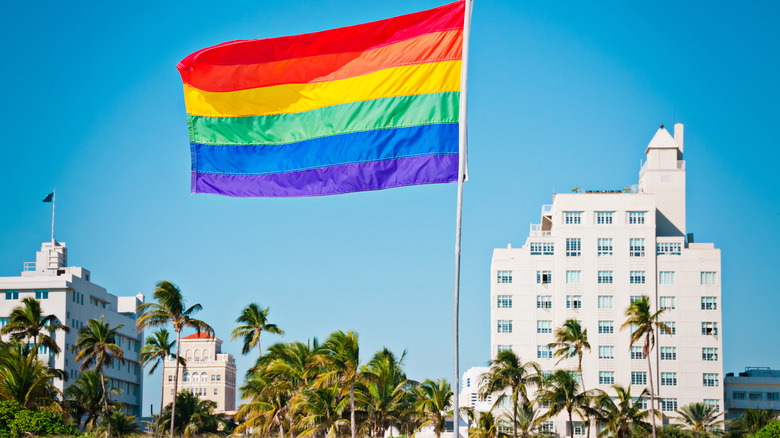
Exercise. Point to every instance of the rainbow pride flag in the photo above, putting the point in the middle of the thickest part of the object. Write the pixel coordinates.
(365, 107)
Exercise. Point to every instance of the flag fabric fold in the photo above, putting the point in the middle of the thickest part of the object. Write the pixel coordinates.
(49, 197)
(365, 107)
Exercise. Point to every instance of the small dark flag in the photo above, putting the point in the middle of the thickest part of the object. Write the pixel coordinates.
(49, 197)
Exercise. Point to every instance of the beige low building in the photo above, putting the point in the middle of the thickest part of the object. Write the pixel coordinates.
(209, 373)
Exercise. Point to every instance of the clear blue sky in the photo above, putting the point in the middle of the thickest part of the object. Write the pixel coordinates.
(561, 94)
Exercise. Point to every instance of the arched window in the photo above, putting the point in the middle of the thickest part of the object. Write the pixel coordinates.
(206, 355)
(186, 376)
(197, 355)
(204, 377)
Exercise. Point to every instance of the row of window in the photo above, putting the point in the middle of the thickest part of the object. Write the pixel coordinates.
(604, 248)
(743, 395)
(708, 354)
(605, 277)
(40, 294)
(604, 302)
(197, 377)
(603, 217)
(196, 391)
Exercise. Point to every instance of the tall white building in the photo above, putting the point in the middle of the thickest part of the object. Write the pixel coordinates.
(68, 293)
(592, 254)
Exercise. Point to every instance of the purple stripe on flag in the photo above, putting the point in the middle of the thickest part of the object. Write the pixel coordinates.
(332, 180)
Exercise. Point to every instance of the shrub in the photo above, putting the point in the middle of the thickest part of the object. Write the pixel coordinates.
(771, 430)
(15, 422)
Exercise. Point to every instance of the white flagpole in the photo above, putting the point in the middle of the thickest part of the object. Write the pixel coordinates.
(53, 198)
(462, 175)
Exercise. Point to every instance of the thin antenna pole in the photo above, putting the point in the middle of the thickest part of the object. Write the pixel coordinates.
(462, 175)
(53, 199)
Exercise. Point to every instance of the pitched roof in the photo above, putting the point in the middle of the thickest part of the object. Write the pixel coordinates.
(662, 140)
(201, 335)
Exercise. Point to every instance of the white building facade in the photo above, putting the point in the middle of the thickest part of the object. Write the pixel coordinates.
(591, 255)
(754, 388)
(68, 293)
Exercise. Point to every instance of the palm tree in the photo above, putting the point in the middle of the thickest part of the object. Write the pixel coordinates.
(528, 421)
(156, 349)
(383, 391)
(751, 421)
(28, 324)
(25, 380)
(85, 397)
(486, 427)
(639, 315)
(622, 417)
(194, 416)
(507, 372)
(571, 341)
(124, 425)
(96, 345)
(170, 308)
(433, 401)
(701, 419)
(561, 393)
(321, 411)
(255, 322)
(341, 356)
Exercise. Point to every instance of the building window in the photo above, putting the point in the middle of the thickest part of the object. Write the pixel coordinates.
(672, 328)
(504, 326)
(668, 379)
(543, 277)
(715, 404)
(669, 404)
(709, 354)
(606, 377)
(543, 326)
(12, 295)
(709, 328)
(606, 327)
(501, 348)
(709, 303)
(170, 378)
(604, 217)
(546, 427)
(668, 353)
(573, 277)
(605, 277)
(632, 299)
(666, 277)
(773, 396)
(578, 428)
(637, 277)
(186, 377)
(606, 352)
(573, 247)
(637, 353)
(41, 294)
(667, 248)
(638, 378)
(707, 278)
(605, 301)
(738, 395)
(636, 217)
(215, 391)
(504, 277)
(542, 248)
(574, 301)
(668, 303)
(543, 352)
(640, 403)
(755, 396)
(544, 301)
(504, 301)
(605, 247)
(636, 248)
(709, 379)
(573, 217)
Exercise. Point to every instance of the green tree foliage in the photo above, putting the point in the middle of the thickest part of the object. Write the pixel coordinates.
(28, 324)
(561, 392)
(156, 349)
(25, 380)
(17, 422)
(383, 392)
(192, 417)
(701, 420)
(486, 427)
(254, 322)
(771, 430)
(750, 422)
(434, 398)
(170, 308)
(341, 356)
(622, 417)
(84, 399)
(123, 425)
(571, 341)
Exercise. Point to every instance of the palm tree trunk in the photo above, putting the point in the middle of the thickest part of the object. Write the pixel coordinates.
(162, 392)
(514, 412)
(352, 408)
(652, 390)
(281, 431)
(176, 377)
(105, 400)
(570, 432)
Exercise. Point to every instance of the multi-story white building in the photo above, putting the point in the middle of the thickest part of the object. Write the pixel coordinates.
(68, 293)
(471, 393)
(591, 255)
(210, 373)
